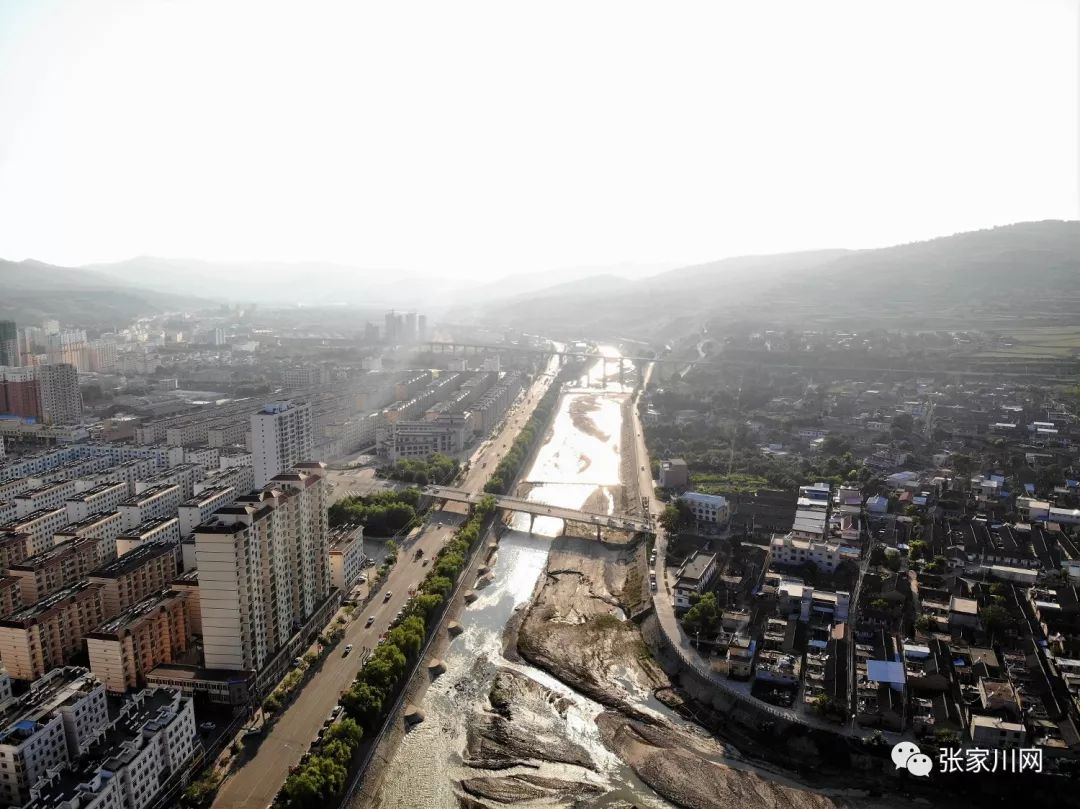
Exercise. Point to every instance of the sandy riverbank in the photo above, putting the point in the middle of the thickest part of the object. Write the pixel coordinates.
(574, 630)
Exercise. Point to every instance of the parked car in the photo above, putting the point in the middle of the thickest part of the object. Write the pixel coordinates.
(207, 726)
(254, 730)
(348, 648)
(370, 620)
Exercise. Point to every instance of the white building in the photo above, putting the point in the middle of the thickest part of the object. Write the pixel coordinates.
(198, 509)
(57, 720)
(156, 529)
(263, 568)
(346, 556)
(151, 739)
(281, 436)
(708, 509)
(792, 550)
(693, 578)
(47, 496)
(157, 501)
(101, 498)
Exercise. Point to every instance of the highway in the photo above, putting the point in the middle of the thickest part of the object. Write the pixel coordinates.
(254, 785)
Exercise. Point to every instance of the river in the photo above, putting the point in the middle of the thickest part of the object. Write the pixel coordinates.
(580, 457)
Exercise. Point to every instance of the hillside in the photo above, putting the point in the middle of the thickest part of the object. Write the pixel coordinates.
(968, 280)
(33, 290)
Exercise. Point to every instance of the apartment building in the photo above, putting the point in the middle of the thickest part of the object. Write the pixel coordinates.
(184, 475)
(156, 630)
(241, 478)
(105, 526)
(157, 501)
(45, 635)
(58, 388)
(346, 556)
(135, 575)
(10, 596)
(197, 509)
(12, 548)
(102, 497)
(46, 497)
(152, 739)
(187, 584)
(281, 435)
(263, 568)
(39, 527)
(60, 566)
(46, 728)
(158, 529)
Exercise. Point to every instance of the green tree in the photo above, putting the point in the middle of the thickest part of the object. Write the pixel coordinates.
(924, 623)
(364, 703)
(917, 549)
(877, 555)
(995, 619)
(704, 616)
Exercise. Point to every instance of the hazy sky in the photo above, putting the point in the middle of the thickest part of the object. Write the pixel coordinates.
(491, 137)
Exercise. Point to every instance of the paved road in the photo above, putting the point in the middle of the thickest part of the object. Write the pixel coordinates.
(258, 781)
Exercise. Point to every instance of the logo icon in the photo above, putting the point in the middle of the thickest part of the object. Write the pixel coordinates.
(906, 756)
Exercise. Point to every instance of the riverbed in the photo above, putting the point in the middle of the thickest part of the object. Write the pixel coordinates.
(500, 731)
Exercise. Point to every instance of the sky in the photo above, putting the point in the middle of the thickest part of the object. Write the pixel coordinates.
(479, 139)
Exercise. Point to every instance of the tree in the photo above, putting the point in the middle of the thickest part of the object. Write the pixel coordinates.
(347, 731)
(704, 615)
(903, 423)
(676, 516)
(924, 623)
(995, 619)
(364, 703)
(877, 555)
(917, 549)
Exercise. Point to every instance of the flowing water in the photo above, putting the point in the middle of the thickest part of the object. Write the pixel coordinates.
(580, 458)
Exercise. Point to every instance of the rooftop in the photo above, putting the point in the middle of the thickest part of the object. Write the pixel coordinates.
(134, 559)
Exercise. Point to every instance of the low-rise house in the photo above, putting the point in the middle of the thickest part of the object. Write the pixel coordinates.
(693, 578)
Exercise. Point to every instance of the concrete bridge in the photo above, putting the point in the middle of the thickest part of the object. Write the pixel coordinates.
(599, 521)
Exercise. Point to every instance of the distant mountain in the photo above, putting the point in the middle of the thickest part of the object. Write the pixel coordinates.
(959, 281)
(33, 290)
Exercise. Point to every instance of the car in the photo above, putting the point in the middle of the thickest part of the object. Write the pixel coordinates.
(652, 585)
(643, 469)
(348, 648)
(362, 579)
(254, 730)
(336, 712)
(387, 597)
(207, 726)
(370, 620)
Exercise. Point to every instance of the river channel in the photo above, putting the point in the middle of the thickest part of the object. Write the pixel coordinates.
(568, 470)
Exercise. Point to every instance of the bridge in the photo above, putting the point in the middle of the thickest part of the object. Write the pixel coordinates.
(618, 522)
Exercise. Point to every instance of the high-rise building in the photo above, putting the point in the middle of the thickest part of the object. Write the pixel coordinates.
(68, 347)
(61, 399)
(19, 393)
(281, 435)
(9, 343)
(410, 327)
(421, 328)
(263, 568)
(391, 327)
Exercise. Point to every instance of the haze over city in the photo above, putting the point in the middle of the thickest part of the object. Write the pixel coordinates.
(485, 139)
(480, 405)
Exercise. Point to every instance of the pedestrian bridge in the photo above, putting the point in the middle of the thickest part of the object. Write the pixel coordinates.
(599, 521)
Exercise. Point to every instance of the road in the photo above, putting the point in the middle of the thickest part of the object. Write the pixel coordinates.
(255, 784)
